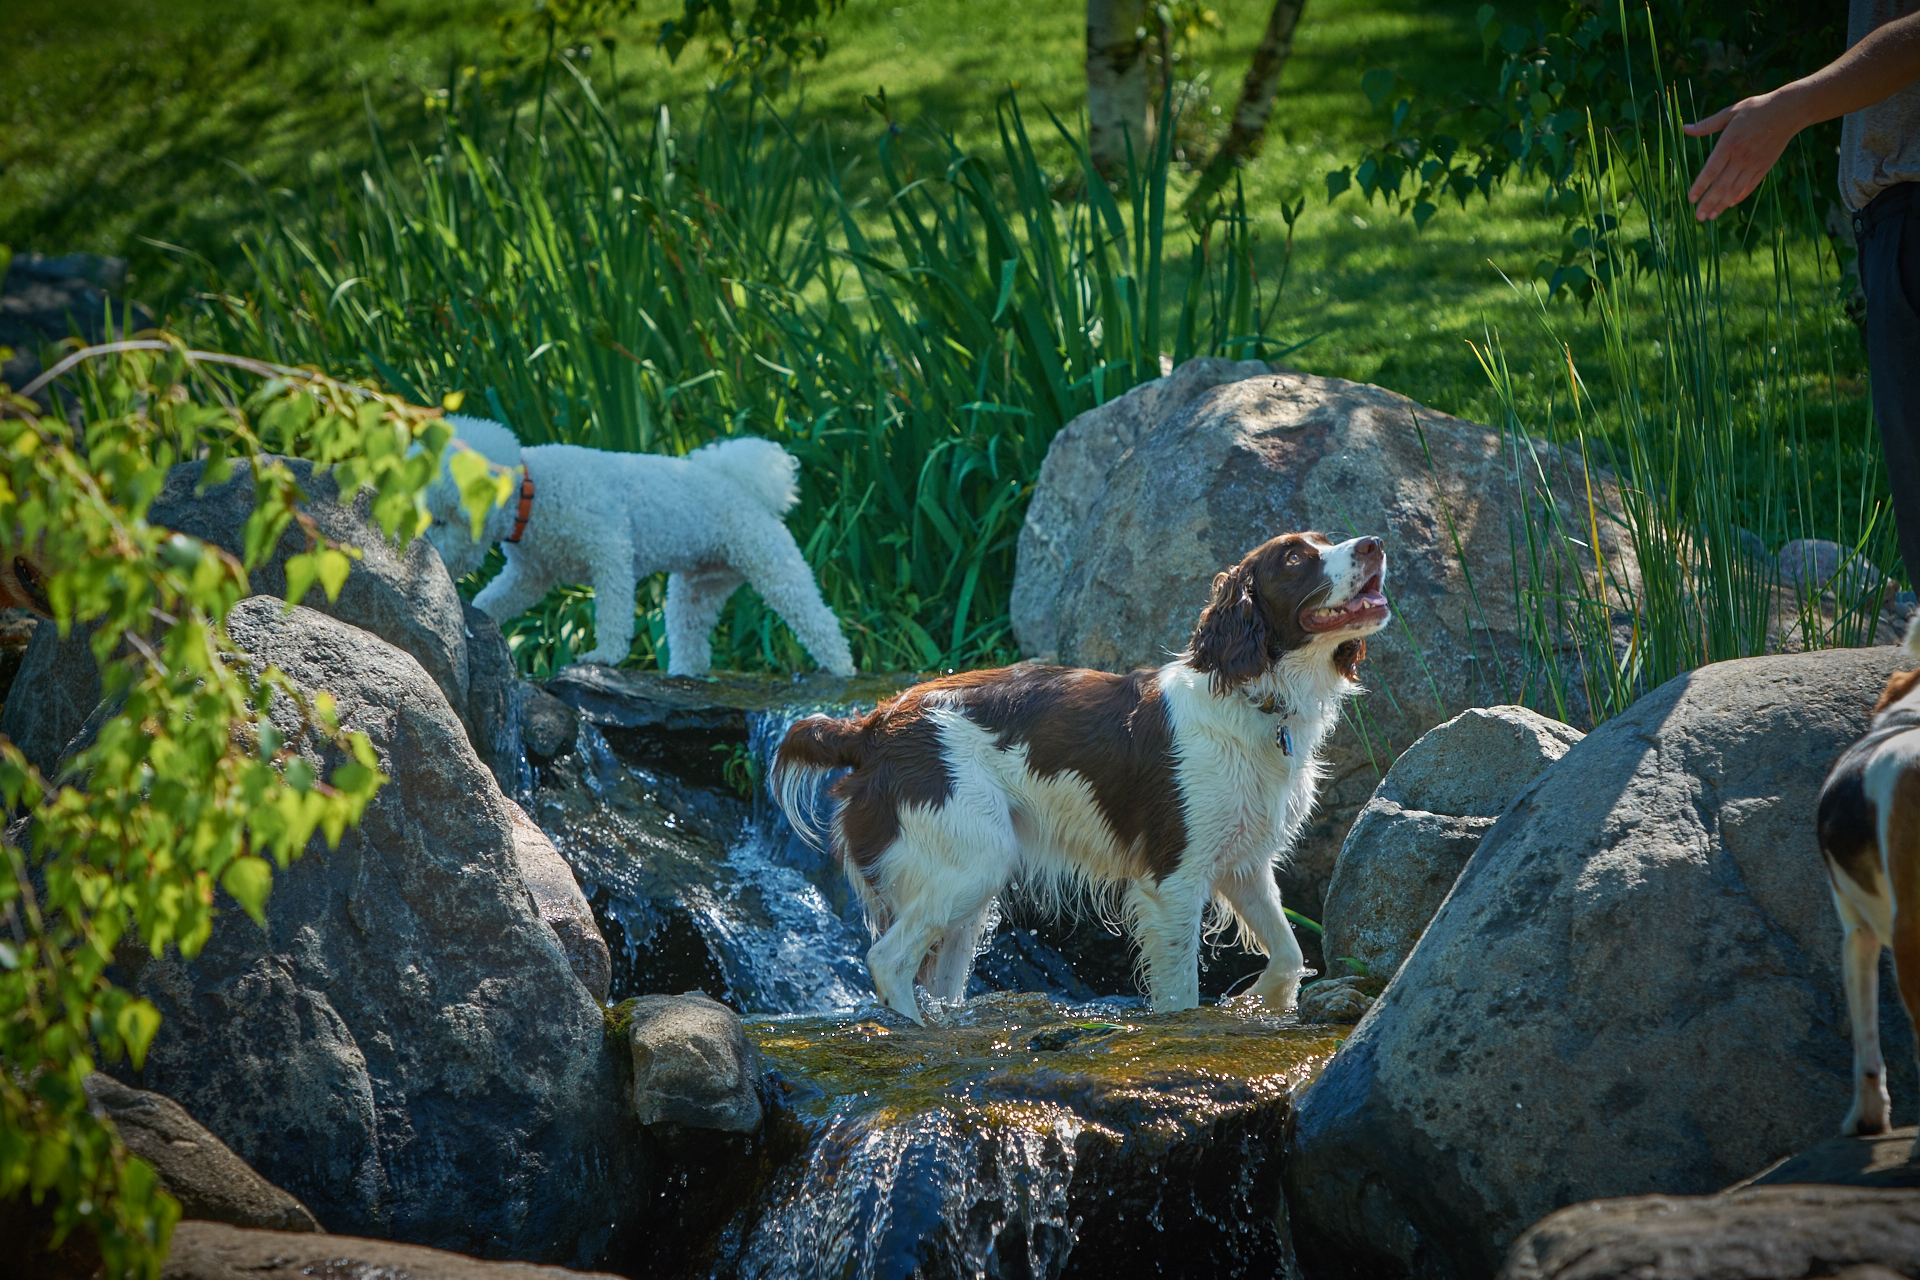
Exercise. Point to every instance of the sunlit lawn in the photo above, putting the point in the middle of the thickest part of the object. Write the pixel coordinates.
(129, 126)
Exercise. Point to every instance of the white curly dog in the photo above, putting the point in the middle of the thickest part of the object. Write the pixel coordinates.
(710, 520)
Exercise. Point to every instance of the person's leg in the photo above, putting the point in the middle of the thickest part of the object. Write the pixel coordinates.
(1890, 275)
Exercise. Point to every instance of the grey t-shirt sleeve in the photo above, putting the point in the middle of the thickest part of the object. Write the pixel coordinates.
(1880, 144)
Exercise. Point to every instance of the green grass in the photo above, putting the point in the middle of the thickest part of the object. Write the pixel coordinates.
(101, 148)
(137, 136)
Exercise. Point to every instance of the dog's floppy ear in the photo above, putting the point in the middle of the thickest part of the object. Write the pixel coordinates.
(1348, 657)
(1897, 688)
(1230, 642)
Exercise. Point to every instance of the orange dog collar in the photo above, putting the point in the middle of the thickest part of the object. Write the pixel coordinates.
(526, 504)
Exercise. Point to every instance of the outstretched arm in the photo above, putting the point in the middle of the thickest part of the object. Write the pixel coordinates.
(1757, 129)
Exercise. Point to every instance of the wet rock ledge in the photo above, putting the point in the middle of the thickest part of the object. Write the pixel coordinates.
(1024, 1138)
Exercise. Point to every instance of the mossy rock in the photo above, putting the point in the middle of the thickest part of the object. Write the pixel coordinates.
(1025, 1137)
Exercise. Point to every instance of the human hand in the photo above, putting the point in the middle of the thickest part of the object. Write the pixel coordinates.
(1753, 132)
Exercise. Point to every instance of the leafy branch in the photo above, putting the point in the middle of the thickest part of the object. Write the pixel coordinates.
(1596, 71)
(181, 786)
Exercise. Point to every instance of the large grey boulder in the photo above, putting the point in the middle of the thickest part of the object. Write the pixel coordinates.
(1079, 460)
(1286, 451)
(1633, 988)
(557, 897)
(1424, 821)
(404, 596)
(693, 1064)
(1765, 1233)
(214, 1251)
(196, 1168)
(56, 687)
(405, 1046)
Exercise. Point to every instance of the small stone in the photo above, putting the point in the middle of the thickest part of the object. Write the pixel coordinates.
(1423, 823)
(548, 726)
(1336, 1000)
(1811, 567)
(693, 1064)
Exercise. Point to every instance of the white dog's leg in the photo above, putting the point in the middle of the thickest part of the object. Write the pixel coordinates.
(613, 584)
(895, 959)
(1255, 898)
(694, 602)
(1860, 974)
(766, 553)
(952, 964)
(511, 593)
(1166, 921)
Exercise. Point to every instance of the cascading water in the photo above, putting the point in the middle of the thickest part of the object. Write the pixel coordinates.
(667, 873)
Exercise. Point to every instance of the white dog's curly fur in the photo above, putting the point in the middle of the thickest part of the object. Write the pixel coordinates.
(710, 520)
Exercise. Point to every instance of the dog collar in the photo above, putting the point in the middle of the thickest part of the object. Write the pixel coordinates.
(526, 504)
(1271, 706)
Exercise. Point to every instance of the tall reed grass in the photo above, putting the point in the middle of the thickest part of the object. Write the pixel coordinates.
(1722, 452)
(914, 332)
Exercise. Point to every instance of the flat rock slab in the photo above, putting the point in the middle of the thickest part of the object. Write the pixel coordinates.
(614, 698)
(1883, 1160)
(1025, 1137)
(1761, 1233)
(215, 1251)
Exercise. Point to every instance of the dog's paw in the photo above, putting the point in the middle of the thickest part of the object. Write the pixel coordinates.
(1866, 1122)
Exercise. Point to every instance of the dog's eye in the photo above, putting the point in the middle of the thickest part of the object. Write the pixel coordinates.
(1295, 557)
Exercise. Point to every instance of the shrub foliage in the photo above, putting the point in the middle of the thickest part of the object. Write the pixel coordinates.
(181, 790)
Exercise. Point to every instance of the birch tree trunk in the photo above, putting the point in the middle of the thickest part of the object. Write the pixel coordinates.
(1250, 114)
(1116, 83)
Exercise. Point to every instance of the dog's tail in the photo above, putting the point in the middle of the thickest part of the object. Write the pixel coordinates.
(768, 473)
(494, 442)
(813, 748)
(1912, 641)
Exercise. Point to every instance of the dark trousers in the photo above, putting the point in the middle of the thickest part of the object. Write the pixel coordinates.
(1888, 233)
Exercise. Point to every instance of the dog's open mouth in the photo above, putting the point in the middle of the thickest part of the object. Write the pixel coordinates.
(1367, 605)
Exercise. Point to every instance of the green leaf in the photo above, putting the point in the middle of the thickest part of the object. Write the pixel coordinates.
(301, 571)
(1377, 84)
(299, 774)
(333, 569)
(249, 879)
(137, 1021)
(1338, 181)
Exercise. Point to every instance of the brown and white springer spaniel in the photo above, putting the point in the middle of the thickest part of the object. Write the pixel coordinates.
(1869, 826)
(1184, 784)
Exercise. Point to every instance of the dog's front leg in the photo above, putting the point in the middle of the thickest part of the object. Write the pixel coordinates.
(1166, 922)
(1860, 973)
(512, 592)
(613, 584)
(1255, 898)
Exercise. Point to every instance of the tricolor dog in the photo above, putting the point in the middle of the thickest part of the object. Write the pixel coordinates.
(1869, 828)
(1181, 786)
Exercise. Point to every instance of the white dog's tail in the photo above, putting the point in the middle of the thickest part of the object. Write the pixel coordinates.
(1912, 641)
(767, 472)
